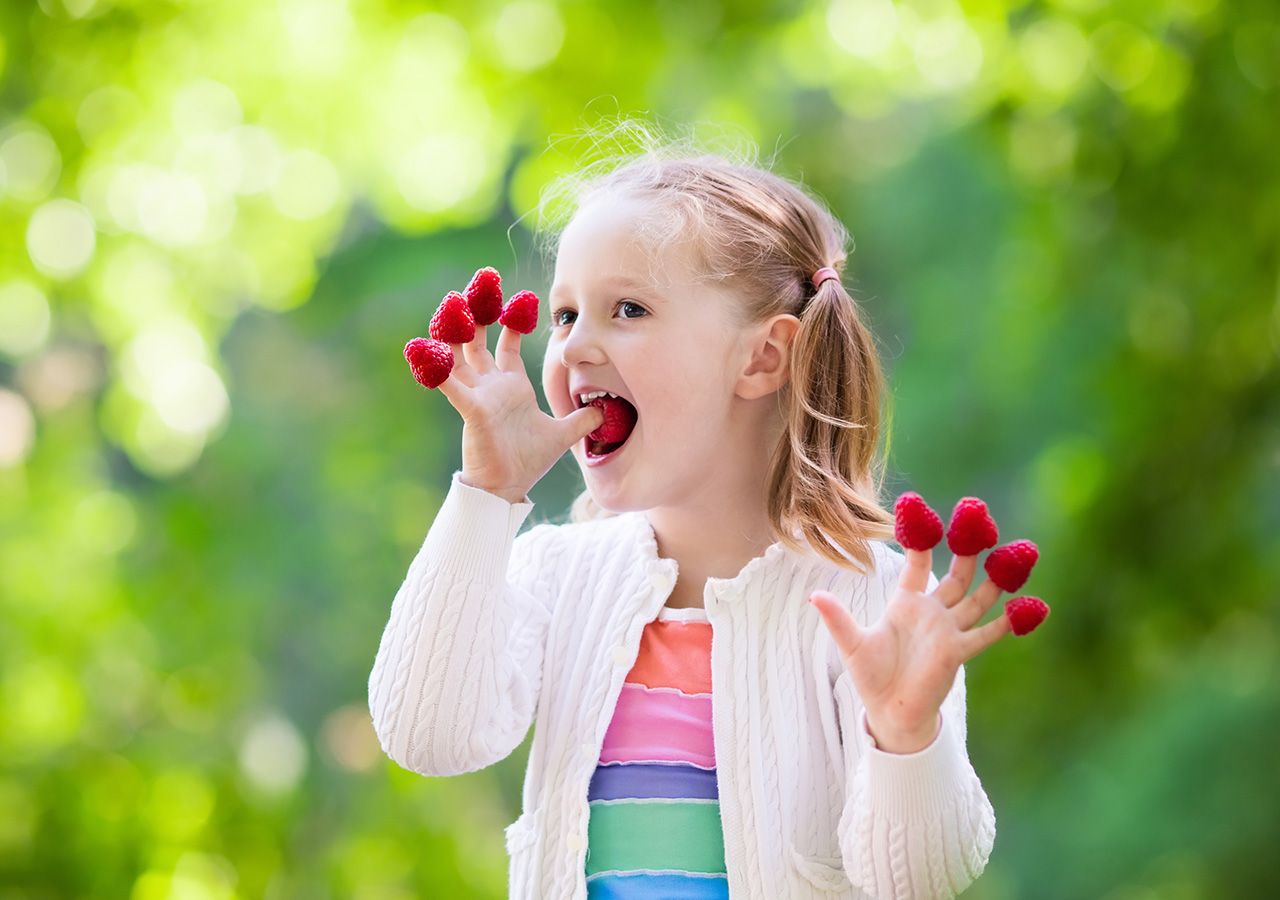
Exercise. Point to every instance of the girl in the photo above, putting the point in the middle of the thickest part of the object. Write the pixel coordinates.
(701, 730)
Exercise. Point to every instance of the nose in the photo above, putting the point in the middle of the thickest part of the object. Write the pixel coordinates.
(582, 345)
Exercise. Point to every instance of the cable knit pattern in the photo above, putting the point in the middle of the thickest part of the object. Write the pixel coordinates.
(491, 631)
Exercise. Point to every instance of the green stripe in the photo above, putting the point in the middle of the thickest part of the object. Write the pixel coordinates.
(624, 836)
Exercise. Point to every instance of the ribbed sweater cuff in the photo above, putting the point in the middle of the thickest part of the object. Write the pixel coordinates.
(473, 532)
(915, 787)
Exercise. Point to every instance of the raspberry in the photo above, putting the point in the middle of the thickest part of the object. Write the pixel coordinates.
(431, 361)
(915, 526)
(1009, 566)
(972, 528)
(521, 312)
(619, 419)
(453, 322)
(1025, 613)
(484, 296)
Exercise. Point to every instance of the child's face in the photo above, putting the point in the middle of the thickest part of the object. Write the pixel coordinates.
(640, 326)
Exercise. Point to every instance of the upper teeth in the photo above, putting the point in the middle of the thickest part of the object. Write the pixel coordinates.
(584, 399)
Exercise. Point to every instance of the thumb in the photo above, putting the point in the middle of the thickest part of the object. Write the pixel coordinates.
(839, 621)
(580, 423)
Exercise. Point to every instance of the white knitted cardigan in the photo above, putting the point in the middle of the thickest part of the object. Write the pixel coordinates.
(491, 632)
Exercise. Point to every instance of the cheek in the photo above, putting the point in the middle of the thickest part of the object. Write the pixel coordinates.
(555, 384)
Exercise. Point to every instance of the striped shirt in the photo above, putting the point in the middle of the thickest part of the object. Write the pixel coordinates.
(654, 830)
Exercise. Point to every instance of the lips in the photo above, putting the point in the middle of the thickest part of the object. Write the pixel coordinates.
(619, 421)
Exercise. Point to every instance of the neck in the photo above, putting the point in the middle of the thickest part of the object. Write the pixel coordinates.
(715, 534)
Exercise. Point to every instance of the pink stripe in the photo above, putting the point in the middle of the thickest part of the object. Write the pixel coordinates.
(659, 726)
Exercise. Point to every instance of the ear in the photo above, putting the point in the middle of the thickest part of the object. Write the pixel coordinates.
(769, 362)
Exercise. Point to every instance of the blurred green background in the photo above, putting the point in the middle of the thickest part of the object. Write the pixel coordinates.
(220, 221)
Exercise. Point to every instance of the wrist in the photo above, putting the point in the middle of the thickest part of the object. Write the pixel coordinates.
(510, 494)
(904, 740)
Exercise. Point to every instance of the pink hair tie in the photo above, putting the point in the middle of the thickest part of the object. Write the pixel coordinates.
(822, 275)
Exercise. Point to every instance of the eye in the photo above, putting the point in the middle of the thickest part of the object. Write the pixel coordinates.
(563, 316)
(629, 309)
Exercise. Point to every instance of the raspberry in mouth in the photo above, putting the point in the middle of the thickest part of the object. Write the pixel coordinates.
(619, 421)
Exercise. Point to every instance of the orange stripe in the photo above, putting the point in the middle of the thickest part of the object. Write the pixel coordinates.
(674, 655)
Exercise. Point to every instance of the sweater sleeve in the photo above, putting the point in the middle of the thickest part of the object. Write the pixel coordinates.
(455, 683)
(914, 826)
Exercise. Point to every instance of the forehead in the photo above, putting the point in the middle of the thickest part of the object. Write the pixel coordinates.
(617, 242)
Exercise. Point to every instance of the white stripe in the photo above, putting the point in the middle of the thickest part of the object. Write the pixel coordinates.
(622, 800)
(658, 872)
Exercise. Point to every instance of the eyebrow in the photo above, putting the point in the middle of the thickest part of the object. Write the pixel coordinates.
(624, 282)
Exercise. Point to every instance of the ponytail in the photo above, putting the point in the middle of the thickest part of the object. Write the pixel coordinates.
(825, 477)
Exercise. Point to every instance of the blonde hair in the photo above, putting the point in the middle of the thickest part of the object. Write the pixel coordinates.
(766, 236)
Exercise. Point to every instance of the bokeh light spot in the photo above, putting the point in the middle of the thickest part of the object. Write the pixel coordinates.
(105, 110)
(180, 804)
(24, 318)
(308, 186)
(55, 378)
(17, 429)
(1122, 55)
(273, 755)
(528, 34)
(1055, 54)
(172, 209)
(203, 876)
(1257, 52)
(864, 28)
(1070, 473)
(350, 739)
(30, 160)
(433, 45)
(204, 107)
(1041, 148)
(318, 31)
(41, 705)
(105, 521)
(255, 158)
(61, 238)
(440, 171)
(947, 52)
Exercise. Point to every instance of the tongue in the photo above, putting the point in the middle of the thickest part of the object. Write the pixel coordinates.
(619, 419)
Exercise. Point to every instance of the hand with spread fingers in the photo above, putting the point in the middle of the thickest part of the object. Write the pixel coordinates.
(508, 442)
(904, 665)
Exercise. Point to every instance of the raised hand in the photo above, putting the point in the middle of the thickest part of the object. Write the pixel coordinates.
(508, 442)
(904, 665)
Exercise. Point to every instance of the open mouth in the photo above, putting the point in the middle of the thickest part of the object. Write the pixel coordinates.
(619, 421)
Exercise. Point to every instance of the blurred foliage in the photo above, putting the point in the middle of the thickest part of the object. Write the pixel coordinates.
(220, 220)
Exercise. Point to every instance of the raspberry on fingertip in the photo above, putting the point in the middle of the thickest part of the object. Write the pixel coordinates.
(972, 528)
(521, 312)
(1010, 566)
(1025, 614)
(915, 525)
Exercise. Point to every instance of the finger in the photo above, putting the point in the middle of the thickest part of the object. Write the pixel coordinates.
(975, 640)
(847, 633)
(461, 396)
(580, 423)
(476, 352)
(508, 351)
(955, 584)
(969, 611)
(462, 372)
(915, 574)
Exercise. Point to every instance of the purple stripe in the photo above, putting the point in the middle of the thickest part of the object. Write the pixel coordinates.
(647, 780)
(659, 726)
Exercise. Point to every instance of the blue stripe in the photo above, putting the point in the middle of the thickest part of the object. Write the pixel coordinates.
(664, 886)
(629, 781)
